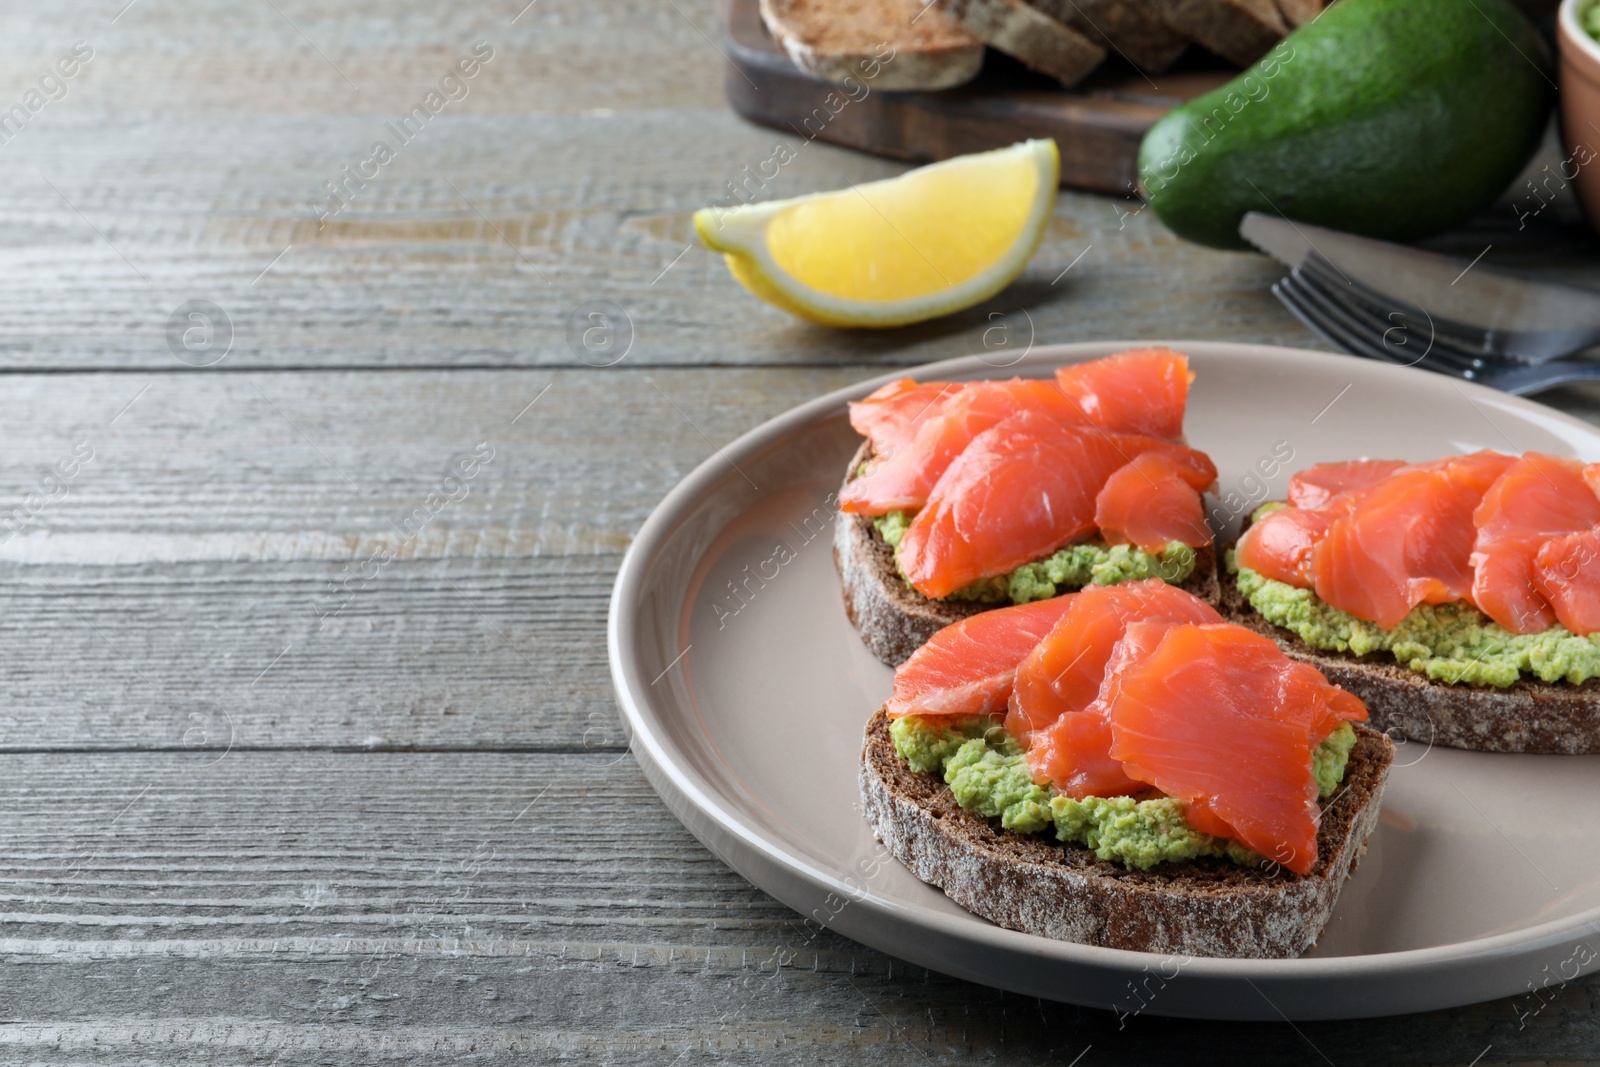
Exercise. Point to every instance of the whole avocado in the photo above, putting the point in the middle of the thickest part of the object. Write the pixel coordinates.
(1394, 119)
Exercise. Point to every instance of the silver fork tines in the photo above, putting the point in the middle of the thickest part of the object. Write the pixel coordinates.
(1347, 320)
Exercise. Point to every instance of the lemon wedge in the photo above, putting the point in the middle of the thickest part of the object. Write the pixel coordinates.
(933, 241)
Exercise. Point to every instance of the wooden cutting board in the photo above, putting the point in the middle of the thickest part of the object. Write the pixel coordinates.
(1098, 124)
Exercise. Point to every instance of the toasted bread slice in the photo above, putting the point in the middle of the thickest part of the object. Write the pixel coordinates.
(1527, 716)
(1240, 31)
(1128, 28)
(895, 620)
(1032, 883)
(839, 39)
(1028, 34)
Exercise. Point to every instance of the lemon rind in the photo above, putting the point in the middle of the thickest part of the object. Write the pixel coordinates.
(739, 233)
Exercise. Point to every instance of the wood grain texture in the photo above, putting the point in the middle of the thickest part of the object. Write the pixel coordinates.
(184, 161)
(217, 572)
(235, 831)
(385, 907)
(485, 236)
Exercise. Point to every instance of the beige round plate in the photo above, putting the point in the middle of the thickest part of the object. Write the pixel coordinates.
(746, 689)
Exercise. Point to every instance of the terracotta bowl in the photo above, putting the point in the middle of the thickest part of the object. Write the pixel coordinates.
(1580, 108)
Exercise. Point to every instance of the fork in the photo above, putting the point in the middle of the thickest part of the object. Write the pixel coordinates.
(1340, 320)
(1486, 310)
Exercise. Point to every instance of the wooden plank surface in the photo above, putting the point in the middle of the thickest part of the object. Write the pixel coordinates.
(239, 829)
(173, 171)
(184, 907)
(212, 559)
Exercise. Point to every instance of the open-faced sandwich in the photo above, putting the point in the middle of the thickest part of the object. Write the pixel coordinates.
(970, 496)
(1121, 767)
(1460, 599)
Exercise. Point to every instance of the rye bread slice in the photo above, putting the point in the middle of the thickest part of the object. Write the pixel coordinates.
(1526, 716)
(1130, 28)
(1033, 883)
(895, 620)
(1240, 31)
(1028, 34)
(839, 39)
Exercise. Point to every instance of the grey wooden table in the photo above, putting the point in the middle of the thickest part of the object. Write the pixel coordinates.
(307, 751)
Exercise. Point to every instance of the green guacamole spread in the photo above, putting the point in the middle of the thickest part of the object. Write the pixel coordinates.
(1069, 568)
(1446, 642)
(986, 770)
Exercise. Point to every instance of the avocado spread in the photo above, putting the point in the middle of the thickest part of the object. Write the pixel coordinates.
(1452, 642)
(1072, 567)
(987, 771)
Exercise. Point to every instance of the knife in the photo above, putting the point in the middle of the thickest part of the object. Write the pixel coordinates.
(1498, 312)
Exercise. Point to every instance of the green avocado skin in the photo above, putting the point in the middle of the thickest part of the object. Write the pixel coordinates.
(1395, 119)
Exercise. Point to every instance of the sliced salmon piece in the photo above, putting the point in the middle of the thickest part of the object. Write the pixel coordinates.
(902, 475)
(1058, 681)
(1279, 546)
(1408, 540)
(1150, 503)
(1591, 474)
(1538, 498)
(1019, 491)
(967, 668)
(1476, 471)
(1566, 571)
(1315, 486)
(1141, 391)
(1217, 716)
(889, 416)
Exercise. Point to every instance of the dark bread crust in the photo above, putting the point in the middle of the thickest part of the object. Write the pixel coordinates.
(1130, 29)
(1032, 883)
(895, 620)
(1240, 31)
(1526, 716)
(1027, 34)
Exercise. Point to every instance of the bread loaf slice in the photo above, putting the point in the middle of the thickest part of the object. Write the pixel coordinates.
(1028, 34)
(1128, 28)
(1240, 31)
(904, 45)
(1032, 883)
(895, 620)
(1527, 716)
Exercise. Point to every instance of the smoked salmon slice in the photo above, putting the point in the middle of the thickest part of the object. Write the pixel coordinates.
(967, 668)
(1537, 499)
(1056, 684)
(1279, 546)
(1315, 486)
(1217, 716)
(1152, 502)
(1145, 390)
(919, 443)
(1019, 491)
(889, 416)
(1407, 540)
(1566, 571)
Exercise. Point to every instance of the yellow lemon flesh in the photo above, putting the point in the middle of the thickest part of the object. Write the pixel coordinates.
(930, 242)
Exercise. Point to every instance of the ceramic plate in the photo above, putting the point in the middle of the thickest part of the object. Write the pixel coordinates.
(746, 689)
